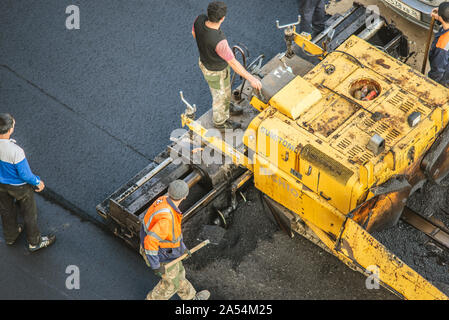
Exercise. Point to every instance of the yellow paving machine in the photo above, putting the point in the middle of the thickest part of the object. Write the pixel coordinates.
(342, 133)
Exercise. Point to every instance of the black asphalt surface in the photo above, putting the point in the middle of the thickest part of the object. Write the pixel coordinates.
(93, 107)
(107, 268)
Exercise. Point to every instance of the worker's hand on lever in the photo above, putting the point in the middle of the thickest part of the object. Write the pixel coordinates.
(434, 13)
(40, 186)
(239, 69)
(188, 253)
(255, 83)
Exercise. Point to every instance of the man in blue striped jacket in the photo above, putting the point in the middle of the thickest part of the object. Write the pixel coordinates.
(16, 190)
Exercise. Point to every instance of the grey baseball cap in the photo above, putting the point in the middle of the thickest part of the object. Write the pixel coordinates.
(178, 189)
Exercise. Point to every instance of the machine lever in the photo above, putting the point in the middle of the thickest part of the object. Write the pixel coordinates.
(190, 110)
(288, 25)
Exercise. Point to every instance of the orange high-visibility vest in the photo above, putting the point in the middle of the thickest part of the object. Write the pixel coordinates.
(162, 225)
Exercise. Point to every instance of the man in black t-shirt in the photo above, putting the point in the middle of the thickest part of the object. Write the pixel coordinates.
(215, 61)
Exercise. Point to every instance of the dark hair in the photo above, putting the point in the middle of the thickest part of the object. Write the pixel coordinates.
(443, 11)
(216, 10)
(6, 122)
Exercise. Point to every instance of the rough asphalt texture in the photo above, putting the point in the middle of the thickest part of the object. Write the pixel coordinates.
(417, 251)
(107, 268)
(93, 107)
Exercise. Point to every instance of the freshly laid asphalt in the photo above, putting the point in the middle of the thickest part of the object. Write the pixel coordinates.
(107, 268)
(92, 108)
(95, 105)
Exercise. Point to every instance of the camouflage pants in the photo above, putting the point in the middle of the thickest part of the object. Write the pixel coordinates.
(220, 87)
(173, 281)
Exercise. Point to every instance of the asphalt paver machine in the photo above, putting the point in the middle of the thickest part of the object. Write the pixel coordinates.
(342, 133)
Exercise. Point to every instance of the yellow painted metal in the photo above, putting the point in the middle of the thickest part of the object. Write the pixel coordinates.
(296, 97)
(311, 156)
(363, 253)
(249, 138)
(358, 249)
(305, 43)
(297, 197)
(217, 142)
(258, 104)
(409, 79)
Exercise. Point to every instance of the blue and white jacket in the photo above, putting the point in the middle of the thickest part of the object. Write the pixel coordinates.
(14, 167)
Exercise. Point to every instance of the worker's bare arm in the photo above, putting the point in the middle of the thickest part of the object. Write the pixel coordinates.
(239, 69)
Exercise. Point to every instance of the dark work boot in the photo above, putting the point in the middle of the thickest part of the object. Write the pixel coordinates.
(228, 124)
(44, 242)
(235, 109)
(202, 295)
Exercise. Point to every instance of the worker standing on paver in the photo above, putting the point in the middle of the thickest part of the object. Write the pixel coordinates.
(16, 190)
(439, 51)
(313, 16)
(161, 242)
(216, 58)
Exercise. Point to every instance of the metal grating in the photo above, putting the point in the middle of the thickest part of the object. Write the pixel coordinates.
(407, 106)
(359, 155)
(381, 128)
(422, 111)
(355, 151)
(369, 122)
(397, 99)
(392, 135)
(343, 144)
(366, 156)
(402, 103)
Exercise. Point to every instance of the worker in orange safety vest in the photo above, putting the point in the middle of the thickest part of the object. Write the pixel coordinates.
(161, 242)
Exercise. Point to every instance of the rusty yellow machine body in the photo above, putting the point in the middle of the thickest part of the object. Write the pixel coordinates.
(342, 166)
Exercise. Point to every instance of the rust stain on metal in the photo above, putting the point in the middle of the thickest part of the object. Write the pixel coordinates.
(425, 95)
(381, 62)
(395, 80)
(334, 118)
(331, 236)
(345, 245)
(365, 56)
